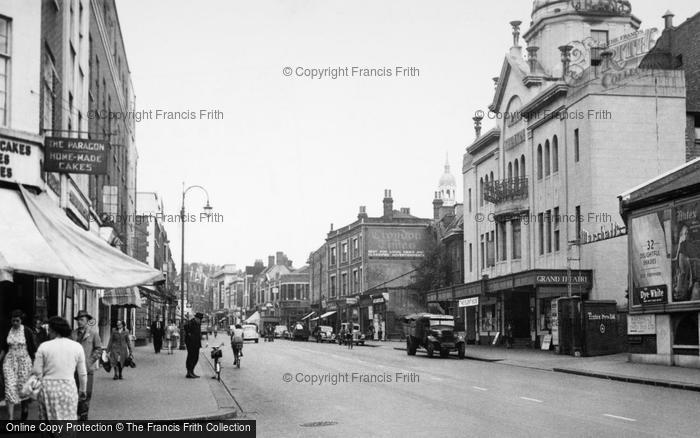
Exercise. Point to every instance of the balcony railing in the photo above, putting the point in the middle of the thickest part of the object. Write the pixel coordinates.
(505, 190)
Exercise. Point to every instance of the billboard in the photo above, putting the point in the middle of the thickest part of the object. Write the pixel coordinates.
(686, 252)
(650, 256)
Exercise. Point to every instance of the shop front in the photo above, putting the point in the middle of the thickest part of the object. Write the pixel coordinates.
(663, 222)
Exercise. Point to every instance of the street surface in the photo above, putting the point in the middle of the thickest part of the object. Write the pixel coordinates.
(441, 397)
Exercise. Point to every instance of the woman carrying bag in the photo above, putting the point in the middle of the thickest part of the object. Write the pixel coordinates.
(119, 349)
(17, 351)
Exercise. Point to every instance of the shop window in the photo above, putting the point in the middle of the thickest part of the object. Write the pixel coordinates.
(686, 332)
(545, 319)
(488, 318)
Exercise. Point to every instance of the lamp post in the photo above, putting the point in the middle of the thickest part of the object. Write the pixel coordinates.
(182, 255)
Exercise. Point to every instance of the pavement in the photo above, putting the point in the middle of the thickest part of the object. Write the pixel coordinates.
(156, 390)
(612, 367)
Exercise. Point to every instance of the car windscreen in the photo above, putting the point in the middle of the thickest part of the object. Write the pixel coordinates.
(442, 322)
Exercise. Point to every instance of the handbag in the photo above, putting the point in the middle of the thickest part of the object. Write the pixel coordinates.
(31, 388)
(130, 361)
(104, 361)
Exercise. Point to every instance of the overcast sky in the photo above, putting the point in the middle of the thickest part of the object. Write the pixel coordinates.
(291, 154)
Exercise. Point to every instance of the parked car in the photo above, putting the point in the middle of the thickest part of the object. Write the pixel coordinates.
(434, 333)
(357, 337)
(300, 332)
(324, 333)
(250, 333)
(280, 330)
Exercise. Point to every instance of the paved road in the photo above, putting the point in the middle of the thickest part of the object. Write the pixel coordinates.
(447, 397)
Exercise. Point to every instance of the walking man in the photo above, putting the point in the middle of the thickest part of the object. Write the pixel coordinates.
(157, 331)
(90, 340)
(193, 341)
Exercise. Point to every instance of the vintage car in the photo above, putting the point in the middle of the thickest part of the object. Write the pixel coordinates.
(324, 333)
(300, 332)
(250, 333)
(357, 337)
(434, 333)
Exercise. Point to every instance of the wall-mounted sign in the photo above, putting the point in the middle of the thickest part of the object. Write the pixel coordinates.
(378, 300)
(19, 161)
(686, 252)
(74, 155)
(563, 279)
(613, 231)
(641, 324)
(351, 301)
(397, 242)
(469, 302)
(653, 294)
(514, 140)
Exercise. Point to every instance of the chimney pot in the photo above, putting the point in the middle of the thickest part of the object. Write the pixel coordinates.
(668, 20)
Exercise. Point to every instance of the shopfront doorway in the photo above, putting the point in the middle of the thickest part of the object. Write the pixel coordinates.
(517, 311)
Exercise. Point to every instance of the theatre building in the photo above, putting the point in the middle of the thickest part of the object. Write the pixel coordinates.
(574, 123)
(663, 219)
(365, 275)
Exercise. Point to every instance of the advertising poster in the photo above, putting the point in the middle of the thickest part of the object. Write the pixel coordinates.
(651, 258)
(686, 252)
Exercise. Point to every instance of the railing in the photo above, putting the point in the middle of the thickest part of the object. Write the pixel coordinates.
(505, 190)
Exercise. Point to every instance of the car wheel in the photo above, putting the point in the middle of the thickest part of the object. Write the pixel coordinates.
(460, 351)
(431, 349)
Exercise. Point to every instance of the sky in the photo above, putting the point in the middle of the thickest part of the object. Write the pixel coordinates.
(282, 156)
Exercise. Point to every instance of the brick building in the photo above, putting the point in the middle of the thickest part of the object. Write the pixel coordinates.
(678, 47)
(364, 269)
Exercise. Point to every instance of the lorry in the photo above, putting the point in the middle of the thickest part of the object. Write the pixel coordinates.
(433, 333)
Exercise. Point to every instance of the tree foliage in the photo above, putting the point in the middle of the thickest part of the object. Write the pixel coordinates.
(433, 270)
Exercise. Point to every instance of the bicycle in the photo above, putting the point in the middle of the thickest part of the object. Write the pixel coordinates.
(237, 355)
(217, 354)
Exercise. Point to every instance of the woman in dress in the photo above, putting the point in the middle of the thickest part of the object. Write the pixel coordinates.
(119, 348)
(56, 363)
(172, 335)
(17, 349)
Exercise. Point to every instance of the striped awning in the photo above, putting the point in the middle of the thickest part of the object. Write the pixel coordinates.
(122, 297)
(310, 314)
(327, 314)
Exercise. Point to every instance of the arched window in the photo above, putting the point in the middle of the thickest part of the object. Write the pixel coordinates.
(546, 158)
(522, 166)
(510, 170)
(539, 161)
(516, 169)
(555, 155)
(491, 177)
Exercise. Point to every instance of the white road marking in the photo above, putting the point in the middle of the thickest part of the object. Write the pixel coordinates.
(532, 399)
(618, 417)
(478, 388)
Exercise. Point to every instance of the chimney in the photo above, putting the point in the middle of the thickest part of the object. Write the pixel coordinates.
(477, 125)
(532, 57)
(270, 261)
(437, 205)
(363, 213)
(668, 20)
(281, 258)
(565, 52)
(516, 32)
(388, 205)
(331, 227)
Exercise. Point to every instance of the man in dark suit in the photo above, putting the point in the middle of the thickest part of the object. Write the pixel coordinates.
(193, 341)
(157, 331)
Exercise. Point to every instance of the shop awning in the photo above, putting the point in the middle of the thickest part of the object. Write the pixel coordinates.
(308, 315)
(327, 314)
(22, 247)
(124, 297)
(253, 319)
(91, 261)
(315, 319)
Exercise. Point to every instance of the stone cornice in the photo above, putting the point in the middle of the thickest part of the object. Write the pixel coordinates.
(492, 135)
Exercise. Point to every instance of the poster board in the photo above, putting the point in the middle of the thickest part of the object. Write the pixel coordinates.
(546, 342)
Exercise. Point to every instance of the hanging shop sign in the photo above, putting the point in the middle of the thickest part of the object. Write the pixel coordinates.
(75, 155)
(19, 161)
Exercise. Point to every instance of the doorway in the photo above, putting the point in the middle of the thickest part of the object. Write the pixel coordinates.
(517, 311)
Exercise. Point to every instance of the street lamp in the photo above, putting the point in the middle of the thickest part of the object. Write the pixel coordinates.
(207, 208)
